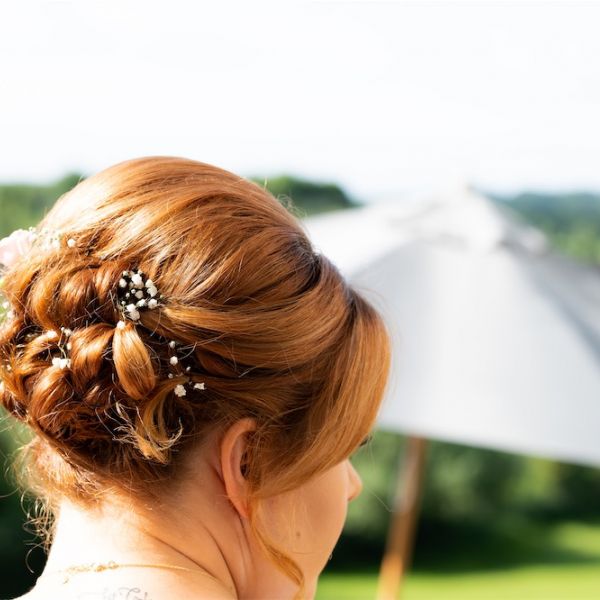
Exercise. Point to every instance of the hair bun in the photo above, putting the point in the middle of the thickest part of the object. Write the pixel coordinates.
(250, 322)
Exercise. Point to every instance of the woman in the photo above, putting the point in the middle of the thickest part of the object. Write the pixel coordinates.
(195, 377)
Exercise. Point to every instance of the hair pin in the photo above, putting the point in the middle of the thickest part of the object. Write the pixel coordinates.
(135, 294)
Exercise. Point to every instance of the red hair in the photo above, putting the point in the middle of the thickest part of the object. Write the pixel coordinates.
(273, 329)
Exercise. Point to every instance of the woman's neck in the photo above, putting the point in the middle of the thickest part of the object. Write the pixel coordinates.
(122, 533)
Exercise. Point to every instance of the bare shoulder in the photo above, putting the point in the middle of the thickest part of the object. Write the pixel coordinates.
(106, 593)
(145, 589)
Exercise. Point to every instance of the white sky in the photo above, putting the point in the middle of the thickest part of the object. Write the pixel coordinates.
(378, 96)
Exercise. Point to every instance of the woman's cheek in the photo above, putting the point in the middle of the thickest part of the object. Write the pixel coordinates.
(321, 507)
(328, 508)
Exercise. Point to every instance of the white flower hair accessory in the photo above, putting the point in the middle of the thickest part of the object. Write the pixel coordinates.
(16, 245)
(135, 294)
(21, 241)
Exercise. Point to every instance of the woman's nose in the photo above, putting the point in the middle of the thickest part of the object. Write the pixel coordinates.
(356, 484)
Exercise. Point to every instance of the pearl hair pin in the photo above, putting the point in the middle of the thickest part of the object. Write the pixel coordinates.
(135, 295)
(63, 361)
(180, 389)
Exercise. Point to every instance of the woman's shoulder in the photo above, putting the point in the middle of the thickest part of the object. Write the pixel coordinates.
(151, 590)
(106, 593)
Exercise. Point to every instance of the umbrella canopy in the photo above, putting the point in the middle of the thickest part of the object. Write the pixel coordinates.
(496, 337)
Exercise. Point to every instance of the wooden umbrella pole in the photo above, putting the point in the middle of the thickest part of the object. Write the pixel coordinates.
(396, 559)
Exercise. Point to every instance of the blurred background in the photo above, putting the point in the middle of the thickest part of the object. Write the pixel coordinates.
(345, 107)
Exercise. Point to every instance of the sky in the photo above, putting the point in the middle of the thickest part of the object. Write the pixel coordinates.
(383, 98)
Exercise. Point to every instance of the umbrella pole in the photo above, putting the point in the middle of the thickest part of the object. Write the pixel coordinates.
(409, 483)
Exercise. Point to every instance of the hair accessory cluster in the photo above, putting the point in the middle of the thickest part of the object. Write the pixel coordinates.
(180, 371)
(63, 359)
(135, 294)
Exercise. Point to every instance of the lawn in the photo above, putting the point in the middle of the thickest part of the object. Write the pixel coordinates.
(528, 583)
(569, 580)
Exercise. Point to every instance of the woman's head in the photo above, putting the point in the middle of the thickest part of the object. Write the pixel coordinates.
(270, 327)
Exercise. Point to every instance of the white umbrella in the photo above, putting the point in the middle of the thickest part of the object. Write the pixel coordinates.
(496, 337)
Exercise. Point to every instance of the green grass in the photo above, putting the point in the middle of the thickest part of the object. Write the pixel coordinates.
(569, 580)
(527, 583)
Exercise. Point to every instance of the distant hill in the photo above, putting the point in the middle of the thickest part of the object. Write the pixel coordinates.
(308, 196)
(22, 205)
(571, 221)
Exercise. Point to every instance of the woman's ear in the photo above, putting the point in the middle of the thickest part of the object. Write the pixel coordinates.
(233, 462)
